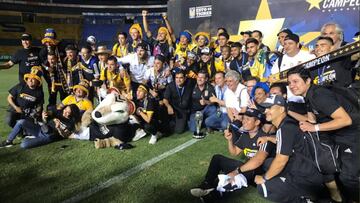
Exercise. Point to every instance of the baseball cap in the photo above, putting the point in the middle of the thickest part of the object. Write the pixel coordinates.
(191, 55)
(274, 100)
(251, 112)
(293, 37)
(205, 50)
(285, 30)
(26, 36)
(248, 32)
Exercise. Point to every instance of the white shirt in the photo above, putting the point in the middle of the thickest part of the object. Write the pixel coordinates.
(136, 70)
(238, 99)
(161, 79)
(289, 62)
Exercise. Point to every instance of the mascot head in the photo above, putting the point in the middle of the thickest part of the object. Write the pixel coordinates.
(114, 109)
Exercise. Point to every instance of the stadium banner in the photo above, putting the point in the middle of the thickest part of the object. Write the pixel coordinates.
(304, 17)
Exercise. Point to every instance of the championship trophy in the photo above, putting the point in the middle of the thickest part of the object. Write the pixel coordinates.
(198, 122)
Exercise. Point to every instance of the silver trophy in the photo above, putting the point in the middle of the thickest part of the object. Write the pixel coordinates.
(198, 122)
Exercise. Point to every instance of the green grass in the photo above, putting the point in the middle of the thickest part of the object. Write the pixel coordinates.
(52, 174)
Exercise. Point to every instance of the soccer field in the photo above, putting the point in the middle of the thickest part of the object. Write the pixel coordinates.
(72, 170)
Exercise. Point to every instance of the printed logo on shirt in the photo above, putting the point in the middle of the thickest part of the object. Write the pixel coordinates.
(249, 152)
(27, 97)
(104, 130)
(327, 77)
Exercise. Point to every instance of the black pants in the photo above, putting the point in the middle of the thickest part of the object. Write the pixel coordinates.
(220, 163)
(291, 188)
(349, 164)
(151, 127)
(179, 121)
(53, 95)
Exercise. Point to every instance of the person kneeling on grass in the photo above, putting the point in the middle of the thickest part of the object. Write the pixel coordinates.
(246, 144)
(146, 115)
(56, 126)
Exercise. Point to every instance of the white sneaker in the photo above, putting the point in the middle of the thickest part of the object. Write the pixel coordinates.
(140, 133)
(199, 192)
(153, 139)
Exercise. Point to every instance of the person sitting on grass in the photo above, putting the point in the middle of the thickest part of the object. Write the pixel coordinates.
(56, 126)
(240, 141)
(79, 97)
(26, 100)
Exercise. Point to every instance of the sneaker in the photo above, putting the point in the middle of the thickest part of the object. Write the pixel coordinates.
(199, 192)
(153, 139)
(6, 143)
(140, 133)
(199, 136)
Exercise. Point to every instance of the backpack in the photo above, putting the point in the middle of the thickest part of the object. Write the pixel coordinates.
(324, 157)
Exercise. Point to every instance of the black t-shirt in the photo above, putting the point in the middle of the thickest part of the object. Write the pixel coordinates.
(27, 99)
(179, 98)
(26, 58)
(123, 132)
(322, 103)
(249, 145)
(237, 64)
(290, 140)
(162, 48)
(337, 73)
(148, 105)
(197, 94)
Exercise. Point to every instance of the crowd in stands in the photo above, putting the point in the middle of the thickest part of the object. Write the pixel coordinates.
(232, 85)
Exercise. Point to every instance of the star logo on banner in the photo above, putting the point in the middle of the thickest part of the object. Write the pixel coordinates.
(270, 26)
(314, 4)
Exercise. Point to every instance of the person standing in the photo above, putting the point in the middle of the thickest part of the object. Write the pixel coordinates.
(27, 57)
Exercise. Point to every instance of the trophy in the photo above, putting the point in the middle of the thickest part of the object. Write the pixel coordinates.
(198, 122)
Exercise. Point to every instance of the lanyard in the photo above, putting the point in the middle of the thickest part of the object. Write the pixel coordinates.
(220, 93)
(242, 62)
(178, 91)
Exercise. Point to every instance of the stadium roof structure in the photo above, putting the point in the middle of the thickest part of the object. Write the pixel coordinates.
(84, 6)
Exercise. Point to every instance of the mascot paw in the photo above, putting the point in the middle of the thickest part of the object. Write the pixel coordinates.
(86, 119)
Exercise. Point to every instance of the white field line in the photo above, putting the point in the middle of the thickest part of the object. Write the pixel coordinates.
(128, 173)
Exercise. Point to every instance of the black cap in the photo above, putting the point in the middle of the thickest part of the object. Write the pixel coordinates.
(26, 36)
(248, 32)
(285, 30)
(293, 37)
(274, 100)
(254, 113)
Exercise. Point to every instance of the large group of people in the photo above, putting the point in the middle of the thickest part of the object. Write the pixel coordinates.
(231, 87)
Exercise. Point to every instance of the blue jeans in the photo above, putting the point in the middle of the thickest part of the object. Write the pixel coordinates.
(207, 111)
(22, 124)
(32, 129)
(217, 122)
